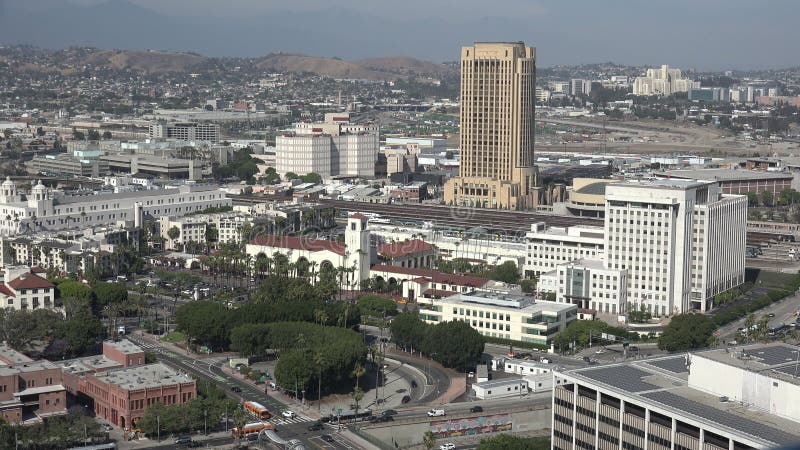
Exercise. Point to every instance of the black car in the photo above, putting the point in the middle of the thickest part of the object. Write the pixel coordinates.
(389, 412)
(406, 399)
(327, 438)
(475, 409)
(236, 389)
(183, 440)
(316, 426)
(413, 384)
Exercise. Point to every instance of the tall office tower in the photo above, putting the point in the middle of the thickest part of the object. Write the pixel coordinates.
(497, 124)
(681, 241)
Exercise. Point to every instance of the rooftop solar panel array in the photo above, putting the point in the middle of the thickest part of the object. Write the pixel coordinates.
(793, 370)
(674, 365)
(723, 418)
(627, 378)
(773, 356)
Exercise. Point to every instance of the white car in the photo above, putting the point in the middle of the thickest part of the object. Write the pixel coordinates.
(600, 352)
(288, 414)
(436, 413)
(447, 446)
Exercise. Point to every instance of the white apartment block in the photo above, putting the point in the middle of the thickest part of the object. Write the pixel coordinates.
(185, 131)
(193, 228)
(507, 316)
(331, 148)
(47, 210)
(663, 82)
(24, 289)
(547, 248)
(681, 242)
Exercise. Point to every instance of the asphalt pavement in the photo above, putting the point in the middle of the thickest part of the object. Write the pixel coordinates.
(210, 368)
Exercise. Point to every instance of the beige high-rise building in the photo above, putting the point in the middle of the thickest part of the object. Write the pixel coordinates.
(498, 81)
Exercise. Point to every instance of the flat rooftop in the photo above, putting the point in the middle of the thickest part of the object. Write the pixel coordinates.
(144, 377)
(663, 382)
(124, 346)
(34, 366)
(661, 184)
(515, 302)
(11, 356)
(726, 174)
(774, 360)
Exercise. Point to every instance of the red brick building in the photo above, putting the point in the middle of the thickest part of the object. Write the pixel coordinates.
(122, 386)
(122, 395)
(30, 391)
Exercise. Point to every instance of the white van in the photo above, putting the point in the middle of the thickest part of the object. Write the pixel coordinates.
(436, 413)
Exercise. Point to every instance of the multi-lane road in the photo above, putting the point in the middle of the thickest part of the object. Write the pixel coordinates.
(211, 369)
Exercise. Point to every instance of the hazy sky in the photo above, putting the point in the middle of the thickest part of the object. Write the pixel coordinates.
(705, 34)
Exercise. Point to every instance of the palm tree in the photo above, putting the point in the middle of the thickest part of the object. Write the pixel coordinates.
(429, 439)
(357, 395)
(358, 371)
(174, 233)
(321, 361)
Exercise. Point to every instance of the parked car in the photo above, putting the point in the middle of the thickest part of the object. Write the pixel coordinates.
(236, 389)
(106, 427)
(436, 413)
(476, 408)
(447, 446)
(185, 440)
(389, 412)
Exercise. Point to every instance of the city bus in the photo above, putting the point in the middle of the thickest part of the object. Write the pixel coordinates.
(256, 410)
(251, 428)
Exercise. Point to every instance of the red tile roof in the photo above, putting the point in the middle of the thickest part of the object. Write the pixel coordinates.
(296, 243)
(398, 249)
(6, 291)
(436, 277)
(438, 293)
(30, 281)
(358, 216)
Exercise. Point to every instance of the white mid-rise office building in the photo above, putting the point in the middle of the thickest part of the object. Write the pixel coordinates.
(334, 147)
(550, 247)
(663, 82)
(681, 241)
(186, 131)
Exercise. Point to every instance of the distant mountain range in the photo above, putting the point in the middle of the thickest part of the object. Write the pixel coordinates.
(630, 32)
(151, 61)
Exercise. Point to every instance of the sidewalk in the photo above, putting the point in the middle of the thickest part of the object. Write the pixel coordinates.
(168, 440)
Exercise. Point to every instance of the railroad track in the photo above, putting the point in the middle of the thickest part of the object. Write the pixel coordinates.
(505, 222)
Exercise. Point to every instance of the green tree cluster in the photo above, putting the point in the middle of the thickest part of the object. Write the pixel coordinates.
(454, 344)
(277, 299)
(72, 430)
(241, 166)
(197, 414)
(688, 331)
(298, 343)
(376, 306)
(580, 332)
(512, 442)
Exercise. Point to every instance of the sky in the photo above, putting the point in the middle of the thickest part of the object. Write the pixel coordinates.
(701, 34)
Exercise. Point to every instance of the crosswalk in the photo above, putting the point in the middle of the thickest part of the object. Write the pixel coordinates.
(278, 420)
